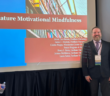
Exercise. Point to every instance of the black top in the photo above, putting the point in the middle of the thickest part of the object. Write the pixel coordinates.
(88, 60)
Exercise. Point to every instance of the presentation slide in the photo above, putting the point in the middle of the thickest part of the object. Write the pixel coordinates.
(39, 31)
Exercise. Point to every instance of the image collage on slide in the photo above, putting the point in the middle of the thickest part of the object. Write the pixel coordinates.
(56, 7)
(66, 44)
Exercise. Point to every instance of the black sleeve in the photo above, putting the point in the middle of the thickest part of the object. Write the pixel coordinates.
(109, 59)
(85, 60)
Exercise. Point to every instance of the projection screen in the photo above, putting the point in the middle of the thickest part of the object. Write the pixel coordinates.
(44, 34)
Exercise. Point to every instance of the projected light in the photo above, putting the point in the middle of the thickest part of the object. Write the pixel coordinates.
(36, 3)
(72, 7)
(46, 26)
(64, 4)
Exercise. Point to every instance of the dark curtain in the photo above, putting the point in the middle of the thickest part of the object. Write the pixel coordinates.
(62, 82)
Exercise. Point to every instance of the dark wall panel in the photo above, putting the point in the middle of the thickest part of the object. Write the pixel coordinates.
(103, 17)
